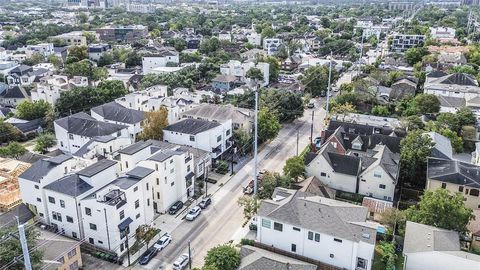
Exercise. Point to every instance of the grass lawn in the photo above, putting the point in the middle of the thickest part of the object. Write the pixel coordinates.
(378, 264)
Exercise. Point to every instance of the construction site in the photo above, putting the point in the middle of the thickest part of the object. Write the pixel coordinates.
(10, 169)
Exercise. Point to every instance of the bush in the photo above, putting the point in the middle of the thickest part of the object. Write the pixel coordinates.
(222, 167)
(247, 242)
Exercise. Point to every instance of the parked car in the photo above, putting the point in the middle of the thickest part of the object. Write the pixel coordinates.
(163, 241)
(193, 213)
(205, 202)
(311, 105)
(148, 255)
(175, 207)
(181, 263)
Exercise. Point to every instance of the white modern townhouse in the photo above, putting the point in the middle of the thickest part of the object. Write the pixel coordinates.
(326, 230)
(272, 45)
(115, 113)
(40, 174)
(136, 100)
(213, 137)
(239, 70)
(173, 166)
(163, 57)
(50, 87)
(357, 158)
(74, 131)
(175, 106)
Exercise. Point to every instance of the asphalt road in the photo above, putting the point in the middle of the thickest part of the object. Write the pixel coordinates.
(222, 221)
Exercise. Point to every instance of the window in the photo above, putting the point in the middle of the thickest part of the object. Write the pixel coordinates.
(460, 189)
(148, 202)
(294, 248)
(148, 187)
(192, 138)
(158, 181)
(228, 132)
(317, 237)
(122, 214)
(310, 235)
(377, 174)
(266, 223)
(172, 184)
(332, 256)
(219, 138)
(188, 168)
(62, 203)
(69, 219)
(137, 216)
(296, 229)
(100, 242)
(88, 211)
(70, 136)
(91, 240)
(337, 240)
(93, 226)
(126, 164)
(171, 161)
(172, 170)
(382, 186)
(158, 195)
(61, 260)
(474, 192)
(39, 200)
(36, 187)
(121, 247)
(361, 263)
(51, 199)
(57, 216)
(278, 226)
(156, 166)
(137, 204)
(444, 185)
(323, 174)
(74, 235)
(135, 189)
(72, 253)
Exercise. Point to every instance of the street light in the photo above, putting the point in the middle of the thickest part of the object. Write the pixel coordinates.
(254, 86)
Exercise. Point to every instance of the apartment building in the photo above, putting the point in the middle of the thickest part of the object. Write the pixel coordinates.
(74, 38)
(129, 34)
(96, 51)
(401, 42)
(160, 58)
(115, 113)
(50, 87)
(239, 70)
(136, 100)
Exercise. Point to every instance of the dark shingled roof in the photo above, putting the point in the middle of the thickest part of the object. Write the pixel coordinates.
(15, 92)
(29, 126)
(40, 168)
(138, 146)
(254, 258)
(9, 219)
(71, 185)
(343, 164)
(115, 112)
(84, 125)
(453, 171)
(460, 79)
(191, 126)
(163, 155)
(97, 167)
(125, 182)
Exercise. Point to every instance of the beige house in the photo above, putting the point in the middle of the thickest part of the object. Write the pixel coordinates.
(455, 176)
(60, 253)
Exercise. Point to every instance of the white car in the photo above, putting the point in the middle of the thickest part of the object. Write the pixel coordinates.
(193, 213)
(181, 263)
(163, 242)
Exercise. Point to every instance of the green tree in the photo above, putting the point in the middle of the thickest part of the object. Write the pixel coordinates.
(415, 55)
(345, 108)
(11, 248)
(455, 140)
(469, 133)
(243, 141)
(145, 233)
(449, 120)
(294, 167)
(223, 257)
(154, 124)
(466, 117)
(45, 141)
(8, 132)
(268, 125)
(30, 110)
(412, 123)
(380, 110)
(427, 103)
(87, 69)
(77, 53)
(270, 181)
(463, 69)
(35, 59)
(268, 32)
(316, 80)
(274, 68)
(55, 61)
(91, 38)
(285, 104)
(250, 206)
(414, 150)
(209, 45)
(441, 209)
(389, 256)
(254, 74)
(12, 150)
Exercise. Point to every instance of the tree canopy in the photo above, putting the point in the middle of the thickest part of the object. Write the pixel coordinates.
(223, 257)
(268, 125)
(30, 110)
(154, 124)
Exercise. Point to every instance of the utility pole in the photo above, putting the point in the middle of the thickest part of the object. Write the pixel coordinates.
(189, 256)
(311, 128)
(330, 81)
(23, 242)
(361, 54)
(297, 142)
(255, 179)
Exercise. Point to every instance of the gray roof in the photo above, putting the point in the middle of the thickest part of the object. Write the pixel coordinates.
(41, 168)
(71, 185)
(125, 182)
(164, 155)
(451, 102)
(55, 247)
(443, 146)
(139, 172)
(225, 78)
(453, 171)
(15, 92)
(220, 113)
(191, 126)
(254, 258)
(421, 238)
(138, 146)
(115, 112)
(9, 219)
(97, 167)
(319, 214)
(84, 125)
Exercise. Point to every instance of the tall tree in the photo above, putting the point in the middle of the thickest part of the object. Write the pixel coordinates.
(268, 125)
(44, 141)
(12, 150)
(294, 167)
(442, 209)
(315, 80)
(154, 124)
(77, 53)
(11, 248)
(30, 110)
(250, 206)
(414, 150)
(224, 257)
(145, 233)
(8, 132)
